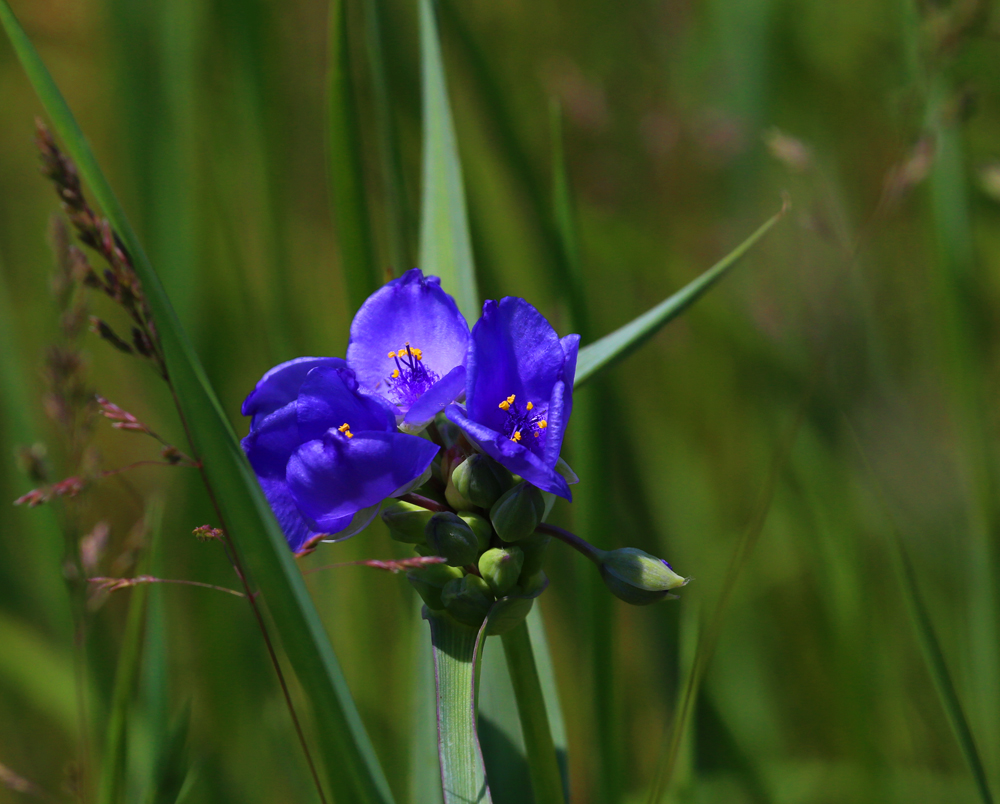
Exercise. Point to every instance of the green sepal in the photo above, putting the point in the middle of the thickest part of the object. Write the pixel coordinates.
(430, 580)
(407, 523)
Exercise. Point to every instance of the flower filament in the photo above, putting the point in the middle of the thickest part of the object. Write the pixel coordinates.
(411, 378)
(521, 422)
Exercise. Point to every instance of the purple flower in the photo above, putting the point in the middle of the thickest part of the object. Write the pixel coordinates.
(408, 345)
(327, 455)
(519, 391)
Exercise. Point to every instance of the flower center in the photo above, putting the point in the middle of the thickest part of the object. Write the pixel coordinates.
(521, 423)
(411, 378)
(345, 428)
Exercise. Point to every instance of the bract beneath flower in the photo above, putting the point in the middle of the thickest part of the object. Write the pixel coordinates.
(408, 345)
(519, 391)
(327, 455)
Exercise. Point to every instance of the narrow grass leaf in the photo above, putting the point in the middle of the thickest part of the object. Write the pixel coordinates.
(937, 666)
(352, 768)
(445, 245)
(610, 349)
(344, 166)
(172, 766)
(709, 635)
(113, 765)
(397, 210)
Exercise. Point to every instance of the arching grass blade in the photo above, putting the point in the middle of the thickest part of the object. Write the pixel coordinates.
(597, 356)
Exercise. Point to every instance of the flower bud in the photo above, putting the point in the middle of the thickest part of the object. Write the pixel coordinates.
(430, 580)
(481, 480)
(534, 548)
(480, 526)
(501, 567)
(456, 500)
(637, 577)
(507, 614)
(468, 599)
(406, 522)
(449, 536)
(517, 513)
(532, 585)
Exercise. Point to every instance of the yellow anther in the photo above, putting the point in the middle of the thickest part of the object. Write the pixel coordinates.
(543, 424)
(392, 354)
(505, 405)
(530, 405)
(516, 436)
(510, 399)
(417, 353)
(345, 428)
(395, 373)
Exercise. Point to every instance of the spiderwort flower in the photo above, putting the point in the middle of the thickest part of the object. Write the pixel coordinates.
(519, 391)
(325, 454)
(408, 345)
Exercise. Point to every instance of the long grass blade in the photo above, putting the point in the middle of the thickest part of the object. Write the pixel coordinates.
(344, 166)
(610, 349)
(445, 246)
(709, 636)
(397, 210)
(113, 766)
(352, 767)
(937, 666)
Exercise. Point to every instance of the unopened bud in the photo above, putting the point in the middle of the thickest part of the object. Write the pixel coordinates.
(481, 480)
(455, 499)
(449, 536)
(480, 526)
(406, 522)
(501, 567)
(534, 548)
(532, 585)
(637, 577)
(517, 513)
(468, 600)
(430, 580)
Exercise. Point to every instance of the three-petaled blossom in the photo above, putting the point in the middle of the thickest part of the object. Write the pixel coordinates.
(519, 391)
(327, 455)
(408, 345)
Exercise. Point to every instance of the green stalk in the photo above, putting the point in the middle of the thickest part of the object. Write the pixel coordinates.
(463, 775)
(546, 781)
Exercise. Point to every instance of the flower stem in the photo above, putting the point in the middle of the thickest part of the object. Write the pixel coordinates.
(574, 541)
(546, 781)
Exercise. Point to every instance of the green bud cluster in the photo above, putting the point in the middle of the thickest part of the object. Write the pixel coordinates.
(483, 521)
(485, 571)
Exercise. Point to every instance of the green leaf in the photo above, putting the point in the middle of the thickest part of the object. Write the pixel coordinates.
(929, 644)
(352, 768)
(172, 764)
(397, 211)
(610, 349)
(344, 165)
(445, 246)
(113, 765)
(463, 775)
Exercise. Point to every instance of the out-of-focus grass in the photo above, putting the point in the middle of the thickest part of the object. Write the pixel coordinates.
(210, 120)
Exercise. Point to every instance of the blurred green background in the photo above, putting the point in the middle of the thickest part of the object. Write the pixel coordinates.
(871, 311)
